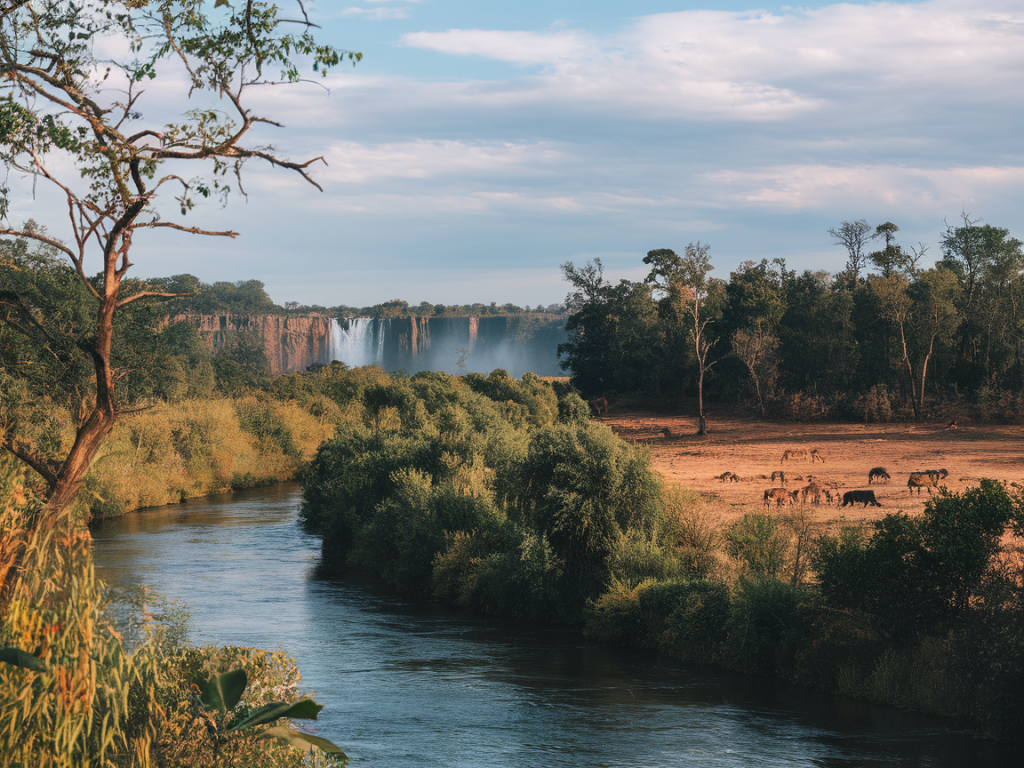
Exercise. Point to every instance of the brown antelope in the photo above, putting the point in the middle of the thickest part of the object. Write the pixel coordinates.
(878, 474)
(813, 490)
(730, 477)
(802, 453)
(779, 495)
(921, 480)
(779, 475)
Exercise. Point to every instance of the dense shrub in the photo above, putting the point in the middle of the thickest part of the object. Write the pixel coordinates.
(768, 621)
(758, 542)
(922, 574)
(477, 489)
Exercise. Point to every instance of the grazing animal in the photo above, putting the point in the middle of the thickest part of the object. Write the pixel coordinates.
(853, 497)
(829, 496)
(794, 453)
(666, 432)
(794, 496)
(728, 477)
(779, 495)
(878, 474)
(952, 427)
(599, 405)
(779, 475)
(812, 490)
(921, 480)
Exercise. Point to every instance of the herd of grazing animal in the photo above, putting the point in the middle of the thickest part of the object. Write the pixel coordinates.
(815, 491)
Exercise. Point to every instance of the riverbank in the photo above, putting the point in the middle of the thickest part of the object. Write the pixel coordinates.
(496, 495)
(410, 682)
(171, 453)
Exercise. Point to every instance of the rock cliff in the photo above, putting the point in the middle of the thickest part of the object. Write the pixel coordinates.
(291, 342)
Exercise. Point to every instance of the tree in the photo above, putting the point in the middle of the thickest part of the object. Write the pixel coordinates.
(61, 106)
(685, 278)
(756, 350)
(891, 258)
(854, 236)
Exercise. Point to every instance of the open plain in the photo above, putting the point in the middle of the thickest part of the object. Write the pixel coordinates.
(752, 450)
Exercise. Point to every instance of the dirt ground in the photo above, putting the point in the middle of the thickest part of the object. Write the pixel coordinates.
(753, 450)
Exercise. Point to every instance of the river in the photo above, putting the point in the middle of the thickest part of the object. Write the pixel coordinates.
(410, 684)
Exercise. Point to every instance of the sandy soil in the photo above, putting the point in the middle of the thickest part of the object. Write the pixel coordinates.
(753, 450)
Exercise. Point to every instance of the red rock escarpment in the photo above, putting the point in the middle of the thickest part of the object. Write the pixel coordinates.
(291, 342)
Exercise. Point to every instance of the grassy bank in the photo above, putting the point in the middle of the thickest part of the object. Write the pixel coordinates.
(194, 448)
(501, 496)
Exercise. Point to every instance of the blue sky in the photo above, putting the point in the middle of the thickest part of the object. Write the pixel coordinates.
(478, 146)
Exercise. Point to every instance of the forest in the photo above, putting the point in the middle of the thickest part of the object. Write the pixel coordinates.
(889, 337)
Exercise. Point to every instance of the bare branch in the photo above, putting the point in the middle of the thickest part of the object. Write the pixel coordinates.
(192, 230)
(41, 238)
(152, 295)
(43, 466)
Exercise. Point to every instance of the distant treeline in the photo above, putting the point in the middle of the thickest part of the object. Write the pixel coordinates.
(249, 297)
(902, 340)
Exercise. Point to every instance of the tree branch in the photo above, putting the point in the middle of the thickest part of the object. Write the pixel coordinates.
(38, 463)
(152, 295)
(192, 230)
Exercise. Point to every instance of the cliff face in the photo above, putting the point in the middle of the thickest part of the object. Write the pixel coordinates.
(290, 342)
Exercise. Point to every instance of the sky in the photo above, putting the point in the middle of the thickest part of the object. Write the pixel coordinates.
(479, 146)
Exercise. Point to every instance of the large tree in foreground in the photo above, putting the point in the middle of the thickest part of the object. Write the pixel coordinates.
(72, 117)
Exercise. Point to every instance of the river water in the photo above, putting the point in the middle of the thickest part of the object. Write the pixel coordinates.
(411, 684)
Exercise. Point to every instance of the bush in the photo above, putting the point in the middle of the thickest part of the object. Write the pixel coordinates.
(757, 541)
(922, 575)
(696, 628)
(767, 622)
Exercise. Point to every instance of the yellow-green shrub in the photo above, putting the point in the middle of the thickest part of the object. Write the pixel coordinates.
(170, 453)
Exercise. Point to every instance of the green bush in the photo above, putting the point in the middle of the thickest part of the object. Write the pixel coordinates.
(922, 575)
(758, 543)
(695, 630)
(768, 621)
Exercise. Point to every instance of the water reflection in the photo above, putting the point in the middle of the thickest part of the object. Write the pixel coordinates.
(417, 684)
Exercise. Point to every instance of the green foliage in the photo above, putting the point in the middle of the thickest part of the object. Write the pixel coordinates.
(475, 489)
(758, 542)
(222, 693)
(768, 621)
(923, 574)
(196, 730)
(813, 344)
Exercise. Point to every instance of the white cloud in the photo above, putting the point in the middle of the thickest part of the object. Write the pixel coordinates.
(769, 66)
(908, 190)
(377, 14)
(355, 163)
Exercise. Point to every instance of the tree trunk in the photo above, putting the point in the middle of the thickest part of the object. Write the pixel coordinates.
(924, 368)
(910, 374)
(702, 425)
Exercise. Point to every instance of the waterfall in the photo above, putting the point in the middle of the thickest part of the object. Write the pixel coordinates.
(354, 345)
(438, 344)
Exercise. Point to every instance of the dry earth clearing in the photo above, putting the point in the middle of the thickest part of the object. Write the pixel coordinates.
(753, 450)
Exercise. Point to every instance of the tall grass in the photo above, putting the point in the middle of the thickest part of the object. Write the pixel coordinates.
(95, 702)
(170, 453)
